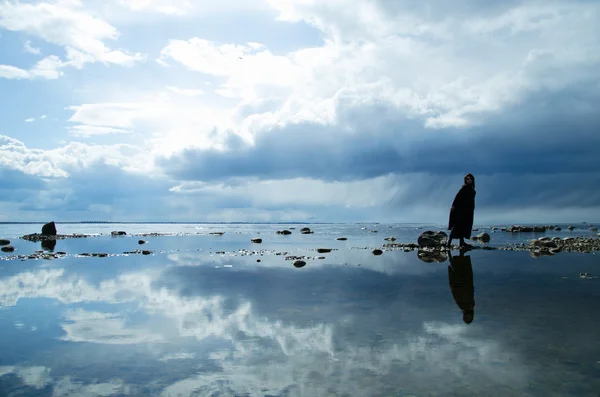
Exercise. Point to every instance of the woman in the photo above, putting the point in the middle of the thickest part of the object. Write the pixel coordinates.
(462, 211)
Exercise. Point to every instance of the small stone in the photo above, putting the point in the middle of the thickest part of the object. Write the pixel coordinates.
(299, 263)
(146, 252)
(323, 250)
(377, 252)
(256, 240)
(142, 242)
(8, 248)
(4, 242)
(342, 238)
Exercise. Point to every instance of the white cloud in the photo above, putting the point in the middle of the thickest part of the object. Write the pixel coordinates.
(66, 24)
(47, 68)
(181, 8)
(58, 163)
(186, 91)
(39, 378)
(248, 68)
(95, 327)
(31, 49)
(169, 7)
(30, 120)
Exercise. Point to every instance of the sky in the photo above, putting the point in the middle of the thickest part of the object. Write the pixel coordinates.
(299, 110)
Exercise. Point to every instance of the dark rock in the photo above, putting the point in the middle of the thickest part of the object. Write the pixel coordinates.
(483, 237)
(258, 260)
(284, 232)
(323, 250)
(390, 239)
(146, 252)
(8, 248)
(256, 240)
(217, 233)
(299, 263)
(118, 233)
(432, 239)
(306, 230)
(4, 242)
(377, 252)
(35, 237)
(49, 229)
(342, 238)
(142, 242)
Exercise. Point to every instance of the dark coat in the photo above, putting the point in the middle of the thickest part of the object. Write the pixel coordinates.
(462, 212)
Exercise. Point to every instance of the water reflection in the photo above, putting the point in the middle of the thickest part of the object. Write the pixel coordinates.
(193, 324)
(48, 245)
(460, 278)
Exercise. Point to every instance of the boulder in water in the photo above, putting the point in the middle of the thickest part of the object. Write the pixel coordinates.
(49, 229)
(432, 239)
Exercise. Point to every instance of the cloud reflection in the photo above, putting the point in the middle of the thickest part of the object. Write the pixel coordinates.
(265, 347)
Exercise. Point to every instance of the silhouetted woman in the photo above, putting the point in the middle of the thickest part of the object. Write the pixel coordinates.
(462, 211)
(460, 277)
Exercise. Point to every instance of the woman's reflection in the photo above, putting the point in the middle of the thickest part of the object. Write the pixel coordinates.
(460, 277)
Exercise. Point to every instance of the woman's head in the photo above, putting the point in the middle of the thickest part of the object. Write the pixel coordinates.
(470, 180)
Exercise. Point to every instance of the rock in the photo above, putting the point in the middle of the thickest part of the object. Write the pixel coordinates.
(306, 230)
(342, 238)
(49, 229)
(558, 228)
(593, 229)
(543, 243)
(323, 250)
(483, 237)
(526, 229)
(284, 232)
(377, 252)
(140, 242)
(146, 252)
(216, 233)
(432, 256)
(118, 233)
(299, 263)
(390, 239)
(256, 240)
(258, 260)
(8, 248)
(571, 227)
(4, 242)
(432, 239)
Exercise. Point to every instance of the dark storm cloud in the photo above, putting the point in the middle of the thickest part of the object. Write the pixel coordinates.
(547, 133)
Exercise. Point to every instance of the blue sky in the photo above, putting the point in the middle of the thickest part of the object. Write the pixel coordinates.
(273, 110)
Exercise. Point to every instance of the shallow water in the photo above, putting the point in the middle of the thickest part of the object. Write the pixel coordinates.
(186, 321)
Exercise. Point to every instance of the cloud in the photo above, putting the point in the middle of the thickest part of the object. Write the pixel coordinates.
(186, 91)
(31, 49)
(66, 24)
(47, 68)
(95, 327)
(378, 119)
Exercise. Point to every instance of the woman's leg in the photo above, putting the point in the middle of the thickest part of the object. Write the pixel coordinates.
(450, 238)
